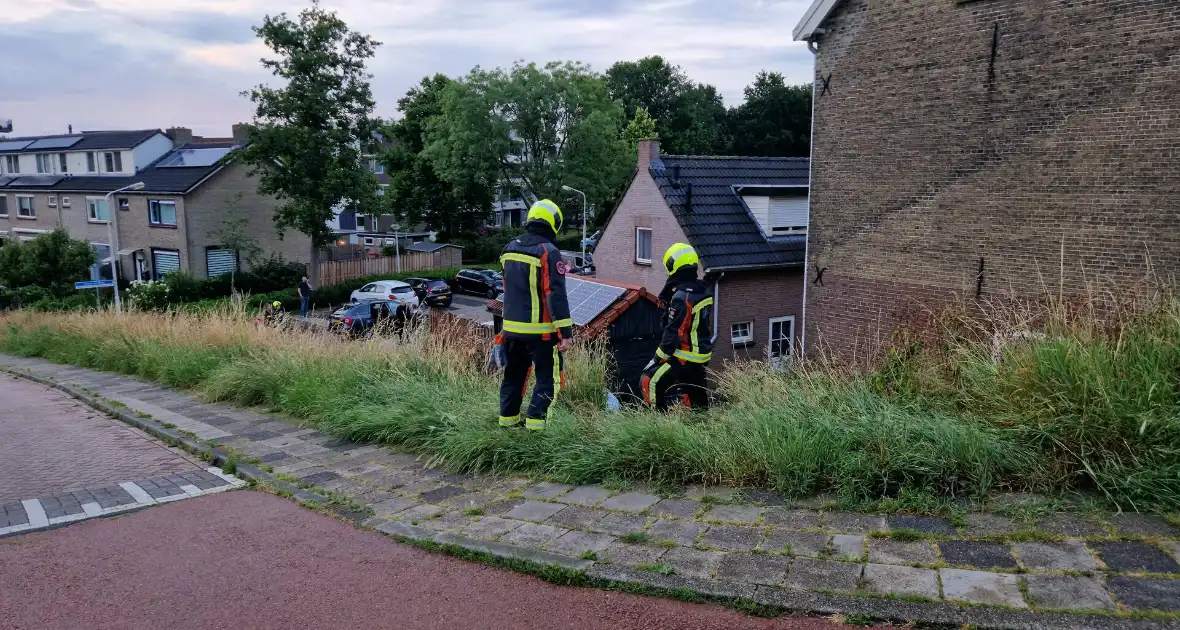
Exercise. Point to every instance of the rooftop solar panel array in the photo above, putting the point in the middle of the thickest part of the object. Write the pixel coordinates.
(589, 299)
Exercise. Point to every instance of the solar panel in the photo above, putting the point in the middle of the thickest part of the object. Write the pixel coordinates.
(55, 143)
(195, 157)
(14, 145)
(5, 179)
(37, 180)
(589, 299)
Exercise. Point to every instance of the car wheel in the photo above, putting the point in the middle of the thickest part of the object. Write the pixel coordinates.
(492, 293)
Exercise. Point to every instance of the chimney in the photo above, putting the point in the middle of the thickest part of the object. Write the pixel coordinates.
(649, 149)
(180, 136)
(241, 133)
(71, 129)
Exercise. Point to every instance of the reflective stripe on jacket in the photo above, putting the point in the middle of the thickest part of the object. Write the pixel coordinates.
(688, 330)
(535, 303)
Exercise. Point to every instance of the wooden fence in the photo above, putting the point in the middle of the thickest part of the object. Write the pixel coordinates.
(337, 271)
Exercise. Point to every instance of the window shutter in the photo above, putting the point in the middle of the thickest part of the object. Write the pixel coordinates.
(787, 213)
(165, 262)
(219, 262)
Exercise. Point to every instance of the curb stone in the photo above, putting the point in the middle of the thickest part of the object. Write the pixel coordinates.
(739, 595)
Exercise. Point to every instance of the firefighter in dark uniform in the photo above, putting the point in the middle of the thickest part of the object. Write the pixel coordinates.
(686, 347)
(537, 324)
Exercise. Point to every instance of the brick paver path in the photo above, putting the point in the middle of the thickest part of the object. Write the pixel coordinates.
(51, 443)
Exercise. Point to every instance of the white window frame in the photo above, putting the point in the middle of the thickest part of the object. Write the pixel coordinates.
(113, 161)
(91, 162)
(4, 207)
(12, 164)
(124, 203)
(783, 360)
(376, 166)
(32, 208)
(742, 340)
(63, 162)
(368, 240)
(175, 213)
(44, 163)
(51, 201)
(65, 202)
(92, 205)
(650, 245)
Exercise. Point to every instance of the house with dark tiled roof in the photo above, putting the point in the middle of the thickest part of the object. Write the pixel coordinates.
(191, 187)
(747, 218)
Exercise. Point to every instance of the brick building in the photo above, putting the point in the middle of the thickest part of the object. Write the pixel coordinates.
(747, 219)
(1018, 137)
(191, 186)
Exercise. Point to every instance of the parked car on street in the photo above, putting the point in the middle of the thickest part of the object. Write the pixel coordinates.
(360, 318)
(433, 291)
(385, 290)
(483, 282)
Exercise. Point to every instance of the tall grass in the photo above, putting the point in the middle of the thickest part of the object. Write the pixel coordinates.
(1076, 408)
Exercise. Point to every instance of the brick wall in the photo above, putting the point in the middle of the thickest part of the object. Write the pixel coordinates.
(756, 297)
(73, 219)
(205, 213)
(1056, 164)
(642, 206)
(136, 231)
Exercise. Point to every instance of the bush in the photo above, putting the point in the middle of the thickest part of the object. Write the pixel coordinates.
(53, 261)
(150, 295)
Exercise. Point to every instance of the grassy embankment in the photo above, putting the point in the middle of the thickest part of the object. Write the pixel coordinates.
(1090, 405)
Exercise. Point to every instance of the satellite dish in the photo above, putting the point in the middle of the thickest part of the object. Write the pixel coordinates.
(5, 125)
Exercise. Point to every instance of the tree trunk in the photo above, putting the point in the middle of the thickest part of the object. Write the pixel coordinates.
(313, 266)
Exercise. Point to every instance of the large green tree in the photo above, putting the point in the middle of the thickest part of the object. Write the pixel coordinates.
(309, 134)
(775, 119)
(417, 193)
(690, 116)
(540, 127)
(52, 261)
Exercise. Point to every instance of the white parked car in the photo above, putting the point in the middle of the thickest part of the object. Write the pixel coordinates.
(386, 290)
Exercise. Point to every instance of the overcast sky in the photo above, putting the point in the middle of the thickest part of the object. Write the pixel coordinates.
(141, 64)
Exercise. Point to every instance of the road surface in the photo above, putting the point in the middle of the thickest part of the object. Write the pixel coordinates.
(252, 560)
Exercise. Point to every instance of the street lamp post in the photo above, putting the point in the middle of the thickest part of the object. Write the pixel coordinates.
(572, 189)
(112, 239)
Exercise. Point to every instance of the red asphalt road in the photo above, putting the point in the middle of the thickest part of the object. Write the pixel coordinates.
(252, 560)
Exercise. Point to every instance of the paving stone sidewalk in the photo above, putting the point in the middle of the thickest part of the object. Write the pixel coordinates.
(1121, 564)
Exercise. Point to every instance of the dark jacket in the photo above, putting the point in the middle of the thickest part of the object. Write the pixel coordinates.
(688, 323)
(535, 304)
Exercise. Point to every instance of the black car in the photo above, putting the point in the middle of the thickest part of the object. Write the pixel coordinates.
(357, 320)
(432, 291)
(483, 282)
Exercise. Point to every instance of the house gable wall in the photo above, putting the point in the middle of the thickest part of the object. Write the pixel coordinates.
(1053, 160)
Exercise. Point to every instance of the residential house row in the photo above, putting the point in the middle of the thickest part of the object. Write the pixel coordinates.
(191, 187)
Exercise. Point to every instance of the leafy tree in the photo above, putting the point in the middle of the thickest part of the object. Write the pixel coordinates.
(309, 136)
(775, 120)
(235, 234)
(53, 261)
(542, 126)
(641, 127)
(416, 192)
(690, 117)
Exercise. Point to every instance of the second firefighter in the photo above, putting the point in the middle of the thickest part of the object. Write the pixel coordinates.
(678, 371)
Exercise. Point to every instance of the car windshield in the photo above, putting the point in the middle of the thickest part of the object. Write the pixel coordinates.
(400, 290)
(437, 284)
(492, 275)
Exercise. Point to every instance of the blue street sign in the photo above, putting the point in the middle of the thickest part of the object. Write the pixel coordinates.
(94, 284)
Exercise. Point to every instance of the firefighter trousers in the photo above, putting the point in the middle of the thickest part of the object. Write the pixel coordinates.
(676, 381)
(525, 356)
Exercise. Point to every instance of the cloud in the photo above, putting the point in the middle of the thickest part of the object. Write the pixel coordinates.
(145, 63)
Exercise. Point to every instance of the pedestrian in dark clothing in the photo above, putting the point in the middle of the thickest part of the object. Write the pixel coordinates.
(304, 296)
(537, 324)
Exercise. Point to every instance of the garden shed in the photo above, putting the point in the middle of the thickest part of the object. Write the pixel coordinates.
(623, 316)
